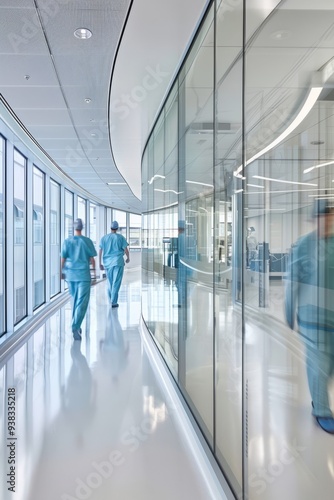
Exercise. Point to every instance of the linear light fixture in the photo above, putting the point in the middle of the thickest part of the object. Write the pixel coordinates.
(168, 191)
(256, 186)
(199, 183)
(306, 108)
(323, 196)
(307, 170)
(116, 183)
(156, 176)
(284, 182)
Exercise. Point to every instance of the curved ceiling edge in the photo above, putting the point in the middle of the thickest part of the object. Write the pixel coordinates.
(155, 39)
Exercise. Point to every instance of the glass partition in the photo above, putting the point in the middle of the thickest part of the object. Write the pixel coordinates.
(54, 238)
(120, 217)
(69, 198)
(135, 230)
(288, 200)
(82, 212)
(20, 237)
(92, 223)
(38, 237)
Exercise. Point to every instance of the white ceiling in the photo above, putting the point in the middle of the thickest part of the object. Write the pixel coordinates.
(47, 73)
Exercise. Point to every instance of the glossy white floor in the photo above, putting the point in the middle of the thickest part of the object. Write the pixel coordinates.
(91, 421)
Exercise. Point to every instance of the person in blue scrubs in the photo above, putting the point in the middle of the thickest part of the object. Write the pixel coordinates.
(310, 293)
(77, 255)
(113, 246)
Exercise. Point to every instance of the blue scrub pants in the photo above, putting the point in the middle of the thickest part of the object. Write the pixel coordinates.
(320, 369)
(114, 275)
(80, 291)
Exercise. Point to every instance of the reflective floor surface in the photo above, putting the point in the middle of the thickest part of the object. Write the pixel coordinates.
(87, 420)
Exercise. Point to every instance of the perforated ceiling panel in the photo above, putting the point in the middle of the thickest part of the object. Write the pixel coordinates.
(47, 76)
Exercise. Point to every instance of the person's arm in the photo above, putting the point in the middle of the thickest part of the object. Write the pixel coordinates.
(100, 259)
(127, 253)
(92, 263)
(291, 287)
(62, 264)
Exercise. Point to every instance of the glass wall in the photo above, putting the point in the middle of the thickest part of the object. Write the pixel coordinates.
(69, 198)
(38, 237)
(135, 230)
(82, 212)
(54, 237)
(92, 223)
(238, 232)
(121, 219)
(2, 234)
(20, 237)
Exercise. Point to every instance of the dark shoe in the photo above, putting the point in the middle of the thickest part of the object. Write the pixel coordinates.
(76, 335)
(326, 423)
(114, 305)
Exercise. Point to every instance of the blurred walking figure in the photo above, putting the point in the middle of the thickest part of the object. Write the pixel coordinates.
(77, 255)
(113, 246)
(310, 292)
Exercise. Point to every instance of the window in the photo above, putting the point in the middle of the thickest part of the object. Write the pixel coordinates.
(20, 241)
(38, 237)
(54, 238)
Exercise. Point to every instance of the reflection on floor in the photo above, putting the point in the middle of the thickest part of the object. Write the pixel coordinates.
(90, 419)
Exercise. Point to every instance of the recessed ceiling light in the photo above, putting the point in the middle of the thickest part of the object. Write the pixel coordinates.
(87, 100)
(82, 33)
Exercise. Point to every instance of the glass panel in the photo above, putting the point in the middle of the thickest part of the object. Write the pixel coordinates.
(38, 237)
(69, 217)
(92, 223)
(20, 291)
(228, 151)
(68, 213)
(196, 227)
(289, 271)
(120, 217)
(54, 238)
(2, 235)
(135, 231)
(82, 212)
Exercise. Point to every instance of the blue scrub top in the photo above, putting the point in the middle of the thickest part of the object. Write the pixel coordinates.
(113, 246)
(77, 250)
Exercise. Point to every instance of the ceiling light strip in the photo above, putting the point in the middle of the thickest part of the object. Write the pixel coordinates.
(306, 108)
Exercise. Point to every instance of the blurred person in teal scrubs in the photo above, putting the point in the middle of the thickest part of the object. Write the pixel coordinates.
(310, 294)
(113, 246)
(77, 255)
